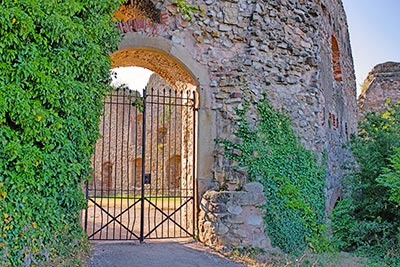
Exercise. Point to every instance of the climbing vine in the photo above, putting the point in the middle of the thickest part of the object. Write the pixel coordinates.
(54, 65)
(293, 181)
(187, 10)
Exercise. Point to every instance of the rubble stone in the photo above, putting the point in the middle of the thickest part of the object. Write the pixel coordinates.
(381, 86)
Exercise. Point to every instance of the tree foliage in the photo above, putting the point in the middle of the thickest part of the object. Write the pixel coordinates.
(390, 177)
(54, 72)
(293, 180)
(368, 219)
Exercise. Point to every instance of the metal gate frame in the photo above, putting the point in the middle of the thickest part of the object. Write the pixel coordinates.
(156, 107)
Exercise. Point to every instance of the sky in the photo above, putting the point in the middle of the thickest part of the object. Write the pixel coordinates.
(135, 78)
(374, 27)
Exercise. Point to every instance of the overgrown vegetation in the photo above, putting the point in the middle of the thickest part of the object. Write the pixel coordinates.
(293, 181)
(186, 10)
(257, 258)
(367, 220)
(54, 65)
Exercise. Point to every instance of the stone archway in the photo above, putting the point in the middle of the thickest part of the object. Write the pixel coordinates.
(179, 75)
(168, 187)
(175, 65)
(163, 65)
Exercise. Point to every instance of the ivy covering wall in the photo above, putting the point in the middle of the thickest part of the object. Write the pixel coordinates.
(54, 72)
(293, 180)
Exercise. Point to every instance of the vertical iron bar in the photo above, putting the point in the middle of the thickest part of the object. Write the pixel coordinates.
(168, 166)
(137, 131)
(184, 162)
(153, 136)
(101, 171)
(159, 182)
(109, 161)
(194, 185)
(175, 155)
(115, 163)
(87, 203)
(188, 149)
(127, 163)
(123, 131)
(143, 166)
(169, 171)
(164, 186)
(187, 194)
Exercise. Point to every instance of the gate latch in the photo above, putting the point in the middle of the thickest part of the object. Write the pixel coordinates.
(147, 178)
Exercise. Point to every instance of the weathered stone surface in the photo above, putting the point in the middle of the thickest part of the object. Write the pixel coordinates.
(297, 52)
(254, 188)
(254, 220)
(381, 86)
(236, 210)
(231, 13)
(242, 226)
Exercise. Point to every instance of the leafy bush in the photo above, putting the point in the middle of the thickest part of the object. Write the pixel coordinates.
(390, 177)
(54, 65)
(367, 220)
(293, 181)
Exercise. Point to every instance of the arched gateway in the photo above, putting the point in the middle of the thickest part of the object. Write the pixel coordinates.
(145, 167)
(229, 53)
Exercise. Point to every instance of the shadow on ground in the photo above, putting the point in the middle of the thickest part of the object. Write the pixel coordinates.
(155, 254)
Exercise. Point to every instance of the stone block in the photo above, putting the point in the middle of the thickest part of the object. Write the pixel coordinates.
(255, 220)
(235, 210)
(220, 197)
(249, 199)
(254, 188)
(240, 233)
(233, 219)
(230, 14)
(217, 207)
(221, 229)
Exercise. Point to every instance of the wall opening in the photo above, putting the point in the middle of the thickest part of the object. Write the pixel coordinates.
(108, 175)
(136, 173)
(337, 69)
(173, 170)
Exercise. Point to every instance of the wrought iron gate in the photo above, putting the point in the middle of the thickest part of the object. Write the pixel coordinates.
(143, 184)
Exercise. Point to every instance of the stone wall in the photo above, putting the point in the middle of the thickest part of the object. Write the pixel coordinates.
(114, 163)
(232, 219)
(381, 86)
(297, 52)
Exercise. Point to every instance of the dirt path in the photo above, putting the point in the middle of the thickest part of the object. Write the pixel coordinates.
(157, 253)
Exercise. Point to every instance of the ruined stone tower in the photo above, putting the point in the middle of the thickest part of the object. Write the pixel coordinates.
(296, 51)
(381, 86)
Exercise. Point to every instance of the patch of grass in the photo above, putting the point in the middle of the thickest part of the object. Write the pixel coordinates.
(259, 258)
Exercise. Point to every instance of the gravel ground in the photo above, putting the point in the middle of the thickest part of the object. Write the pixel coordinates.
(157, 253)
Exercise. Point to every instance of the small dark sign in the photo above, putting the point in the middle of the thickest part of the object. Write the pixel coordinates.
(147, 178)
